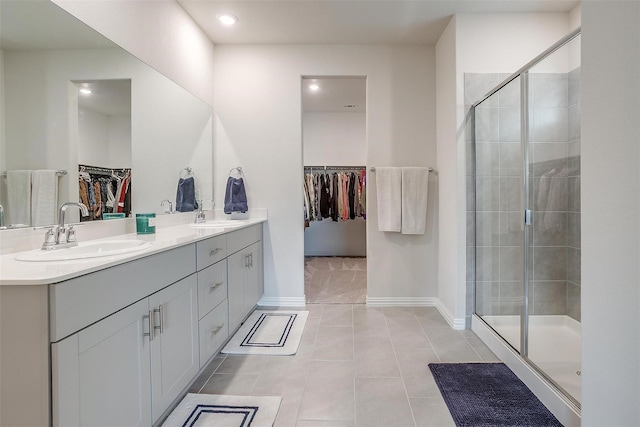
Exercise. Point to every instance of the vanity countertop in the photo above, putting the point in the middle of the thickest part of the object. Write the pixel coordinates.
(14, 272)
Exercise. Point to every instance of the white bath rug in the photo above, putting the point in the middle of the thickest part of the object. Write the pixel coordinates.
(211, 410)
(269, 332)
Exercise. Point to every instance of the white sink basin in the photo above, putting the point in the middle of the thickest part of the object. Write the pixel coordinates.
(222, 223)
(85, 250)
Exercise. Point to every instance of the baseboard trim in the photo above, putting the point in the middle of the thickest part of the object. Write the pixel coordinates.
(282, 302)
(458, 324)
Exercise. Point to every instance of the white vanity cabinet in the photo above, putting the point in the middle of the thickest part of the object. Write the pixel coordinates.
(120, 344)
(126, 368)
(245, 276)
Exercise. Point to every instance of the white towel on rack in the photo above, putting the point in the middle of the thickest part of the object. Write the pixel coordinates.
(19, 197)
(389, 193)
(415, 183)
(44, 197)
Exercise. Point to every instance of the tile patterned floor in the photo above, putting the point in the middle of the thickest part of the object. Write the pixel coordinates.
(340, 280)
(357, 366)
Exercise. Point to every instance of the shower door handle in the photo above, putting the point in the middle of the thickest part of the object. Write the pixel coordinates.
(527, 217)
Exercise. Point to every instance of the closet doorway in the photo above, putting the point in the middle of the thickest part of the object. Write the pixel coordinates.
(334, 139)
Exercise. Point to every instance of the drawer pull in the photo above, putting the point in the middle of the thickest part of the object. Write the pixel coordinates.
(214, 251)
(216, 330)
(216, 286)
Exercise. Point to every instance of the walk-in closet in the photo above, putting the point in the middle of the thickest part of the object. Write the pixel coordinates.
(334, 187)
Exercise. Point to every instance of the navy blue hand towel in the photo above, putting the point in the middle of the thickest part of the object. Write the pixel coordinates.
(235, 197)
(186, 195)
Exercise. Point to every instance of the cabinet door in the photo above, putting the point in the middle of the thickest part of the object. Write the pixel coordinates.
(174, 348)
(237, 267)
(254, 285)
(101, 375)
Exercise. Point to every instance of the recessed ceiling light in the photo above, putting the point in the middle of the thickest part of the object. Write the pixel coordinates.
(85, 91)
(227, 19)
(314, 87)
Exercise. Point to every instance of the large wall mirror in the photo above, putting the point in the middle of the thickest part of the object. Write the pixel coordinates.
(150, 126)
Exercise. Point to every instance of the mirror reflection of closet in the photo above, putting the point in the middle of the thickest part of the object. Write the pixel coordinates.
(104, 148)
(334, 136)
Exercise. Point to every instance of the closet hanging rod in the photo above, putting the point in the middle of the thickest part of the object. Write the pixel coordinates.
(336, 167)
(101, 170)
(60, 172)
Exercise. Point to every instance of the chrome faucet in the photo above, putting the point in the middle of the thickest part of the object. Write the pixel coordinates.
(170, 206)
(200, 215)
(63, 237)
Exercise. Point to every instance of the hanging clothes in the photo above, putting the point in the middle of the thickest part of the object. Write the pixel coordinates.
(337, 195)
(104, 190)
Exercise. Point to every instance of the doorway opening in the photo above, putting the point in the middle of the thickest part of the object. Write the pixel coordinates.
(334, 141)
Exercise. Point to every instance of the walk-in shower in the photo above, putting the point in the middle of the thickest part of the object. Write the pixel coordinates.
(524, 218)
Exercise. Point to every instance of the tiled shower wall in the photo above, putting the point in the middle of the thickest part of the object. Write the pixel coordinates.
(554, 195)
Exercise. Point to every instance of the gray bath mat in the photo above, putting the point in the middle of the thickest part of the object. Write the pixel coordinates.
(489, 395)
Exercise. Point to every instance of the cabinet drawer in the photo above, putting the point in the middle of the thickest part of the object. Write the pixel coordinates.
(212, 287)
(214, 330)
(240, 239)
(211, 251)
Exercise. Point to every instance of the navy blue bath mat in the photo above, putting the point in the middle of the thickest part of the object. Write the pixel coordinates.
(489, 395)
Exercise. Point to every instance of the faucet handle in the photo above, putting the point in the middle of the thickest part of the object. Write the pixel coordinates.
(49, 239)
(71, 235)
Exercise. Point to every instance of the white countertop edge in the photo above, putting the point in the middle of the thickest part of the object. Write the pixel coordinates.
(19, 273)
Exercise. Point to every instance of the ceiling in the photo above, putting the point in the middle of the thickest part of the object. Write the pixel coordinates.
(109, 97)
(336, 94)
(346, 22)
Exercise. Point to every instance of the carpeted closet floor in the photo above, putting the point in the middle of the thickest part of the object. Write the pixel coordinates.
(338, 280)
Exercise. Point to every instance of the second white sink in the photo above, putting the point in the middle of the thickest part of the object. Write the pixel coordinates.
(85, 250)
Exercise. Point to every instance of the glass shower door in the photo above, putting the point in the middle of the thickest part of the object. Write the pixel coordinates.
(499, 199)
(554, 167)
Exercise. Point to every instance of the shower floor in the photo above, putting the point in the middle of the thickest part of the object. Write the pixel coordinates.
(338, 280)
(554, 346)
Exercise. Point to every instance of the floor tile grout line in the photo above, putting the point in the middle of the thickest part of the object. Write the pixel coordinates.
(404, 385)
(306, 378)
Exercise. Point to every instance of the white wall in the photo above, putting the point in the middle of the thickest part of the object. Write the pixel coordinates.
(610, 92)
(170, 41)
(335, 139)
(474, 43)
(258, 127)
(119, 141)
(171, 128)
(104, 140)
(451, 274)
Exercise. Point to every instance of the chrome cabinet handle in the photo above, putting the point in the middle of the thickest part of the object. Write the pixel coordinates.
(216, 286)
(149, 334)
(160, 311)
(216, 330)
(251, 260)
(246, 261)
(214, 251)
